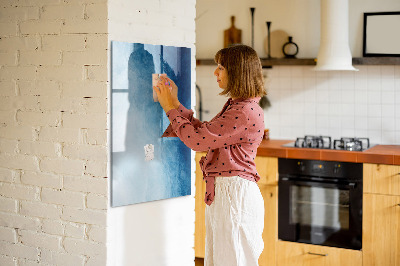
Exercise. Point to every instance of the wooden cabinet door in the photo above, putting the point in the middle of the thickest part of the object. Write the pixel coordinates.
(381, 230)
(381, 179)
(270, 233)
(297, 254)
(267, 168)
(200, 207)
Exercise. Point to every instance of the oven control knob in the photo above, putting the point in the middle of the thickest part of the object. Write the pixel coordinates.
(302, 167)
(336, 169)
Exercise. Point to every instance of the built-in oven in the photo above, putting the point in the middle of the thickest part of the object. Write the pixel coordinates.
(320, 202)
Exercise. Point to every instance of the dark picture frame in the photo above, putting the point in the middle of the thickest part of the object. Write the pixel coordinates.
(381, 35)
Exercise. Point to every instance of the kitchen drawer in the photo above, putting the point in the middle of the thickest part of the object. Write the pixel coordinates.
(381, 179)
(298, 254)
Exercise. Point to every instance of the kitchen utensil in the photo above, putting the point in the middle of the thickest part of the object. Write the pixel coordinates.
(252, 9)
(269, 38)
(232, 35)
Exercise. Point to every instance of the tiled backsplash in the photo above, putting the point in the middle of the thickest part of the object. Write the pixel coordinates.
(338, 104)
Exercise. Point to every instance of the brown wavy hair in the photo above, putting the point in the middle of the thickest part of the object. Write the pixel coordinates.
(245, 78)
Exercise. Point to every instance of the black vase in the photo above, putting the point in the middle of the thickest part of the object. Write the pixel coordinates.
(290, 49)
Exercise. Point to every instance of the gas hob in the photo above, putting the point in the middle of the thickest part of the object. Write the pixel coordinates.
(325, 142)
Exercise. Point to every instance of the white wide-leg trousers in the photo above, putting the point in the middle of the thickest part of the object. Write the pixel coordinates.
(234, 223)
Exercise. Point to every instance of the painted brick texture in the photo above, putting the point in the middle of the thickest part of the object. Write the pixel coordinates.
(53, 132)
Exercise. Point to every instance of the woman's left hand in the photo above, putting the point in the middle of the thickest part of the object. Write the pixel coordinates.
(163, 90)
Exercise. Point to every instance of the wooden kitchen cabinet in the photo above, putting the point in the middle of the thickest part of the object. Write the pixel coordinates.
(381, 230)
(381, 179)
(381, 215)
(200, 207)
(270, 233)
(267, 168)
(298, 254)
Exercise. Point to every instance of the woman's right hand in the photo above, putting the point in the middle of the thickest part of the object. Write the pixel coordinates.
(174, 91)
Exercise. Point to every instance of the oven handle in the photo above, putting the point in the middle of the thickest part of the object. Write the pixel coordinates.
(297, 181)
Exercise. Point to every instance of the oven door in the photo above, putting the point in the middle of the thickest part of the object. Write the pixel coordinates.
(315, 211)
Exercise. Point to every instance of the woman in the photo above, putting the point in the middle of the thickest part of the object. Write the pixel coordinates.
(235, 207)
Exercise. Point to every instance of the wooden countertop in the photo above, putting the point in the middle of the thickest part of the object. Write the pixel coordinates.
(379, 154)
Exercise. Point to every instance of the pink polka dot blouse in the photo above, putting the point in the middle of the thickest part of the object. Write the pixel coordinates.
(231, 139)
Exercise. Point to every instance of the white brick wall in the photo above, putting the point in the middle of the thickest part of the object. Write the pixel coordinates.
(53, 121)
(53, 129)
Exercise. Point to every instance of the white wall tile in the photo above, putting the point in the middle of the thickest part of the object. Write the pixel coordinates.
(322, 95)
(297, 83)
(322, 109)
(388, 97)
(297, 72)
(308, 72)
(285, 72)
(374, 123)
(334, 109)
(374, 83)
(335, 122)
(322, 121)
(347, 109)
(375, 136)
(374, 97)
(374, 110)
(388, 110)
(360, 97)
(388, 124)
(397, 93)
(348, 122)
(397, 72)
(310, 109)
(389, 136)
(348, 95)
(335, 95)
(361, 110)
(310, 95)
(388, 84)
(397, 122)
(387, 71)
(284, 83)
(348, 133)
(361, 123)
(397, 110)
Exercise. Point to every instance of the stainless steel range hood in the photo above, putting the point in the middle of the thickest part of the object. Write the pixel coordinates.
(334, 52)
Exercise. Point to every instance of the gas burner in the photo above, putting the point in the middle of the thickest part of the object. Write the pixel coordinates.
(321, 142)
(351, 144)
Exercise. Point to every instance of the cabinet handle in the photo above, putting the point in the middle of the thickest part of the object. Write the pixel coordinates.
(318, 254)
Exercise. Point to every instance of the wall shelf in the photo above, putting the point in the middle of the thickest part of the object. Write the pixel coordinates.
(376, 61)
(312, 61)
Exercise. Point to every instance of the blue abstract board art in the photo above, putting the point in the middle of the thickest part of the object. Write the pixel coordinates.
(144, 166)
